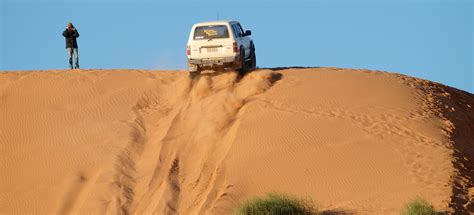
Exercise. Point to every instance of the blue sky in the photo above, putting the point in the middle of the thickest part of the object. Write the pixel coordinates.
(430, 39)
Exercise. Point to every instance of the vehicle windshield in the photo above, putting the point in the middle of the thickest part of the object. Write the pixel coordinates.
(211, 32)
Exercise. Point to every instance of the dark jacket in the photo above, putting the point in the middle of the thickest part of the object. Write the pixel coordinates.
(71, 36)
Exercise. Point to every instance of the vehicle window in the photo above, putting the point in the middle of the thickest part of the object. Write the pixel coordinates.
(211, 32)
(236, 31)
(240, 29)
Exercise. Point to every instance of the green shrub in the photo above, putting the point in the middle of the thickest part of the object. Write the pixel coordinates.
(276, 204)
(419, 207)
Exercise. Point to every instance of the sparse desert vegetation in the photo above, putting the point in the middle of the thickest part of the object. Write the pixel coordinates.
(276, 204)
(419, 206)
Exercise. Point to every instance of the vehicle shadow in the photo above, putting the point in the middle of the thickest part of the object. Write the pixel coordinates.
(274, 76)
(291, 67)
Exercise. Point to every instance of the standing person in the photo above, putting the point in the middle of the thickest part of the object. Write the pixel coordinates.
(70, 33)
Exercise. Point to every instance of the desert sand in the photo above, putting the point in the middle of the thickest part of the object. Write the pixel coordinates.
(143, 142)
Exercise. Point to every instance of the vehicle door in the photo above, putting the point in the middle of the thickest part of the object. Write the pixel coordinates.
(239, 36)
(245, 40)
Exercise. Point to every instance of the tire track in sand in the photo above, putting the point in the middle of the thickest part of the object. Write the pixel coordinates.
(187, 158)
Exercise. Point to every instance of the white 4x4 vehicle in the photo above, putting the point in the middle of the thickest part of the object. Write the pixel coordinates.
(219, 45)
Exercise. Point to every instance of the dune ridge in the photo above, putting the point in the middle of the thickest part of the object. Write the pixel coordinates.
(142, 142)
(455, 107)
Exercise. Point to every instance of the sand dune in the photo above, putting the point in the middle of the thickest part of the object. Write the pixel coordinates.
(154, 142)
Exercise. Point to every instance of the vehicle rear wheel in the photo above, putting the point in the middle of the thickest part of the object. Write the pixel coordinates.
(194, 75)
(253, 59)
(243, 64)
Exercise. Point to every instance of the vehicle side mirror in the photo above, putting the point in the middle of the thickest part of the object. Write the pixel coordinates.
(248, 33)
